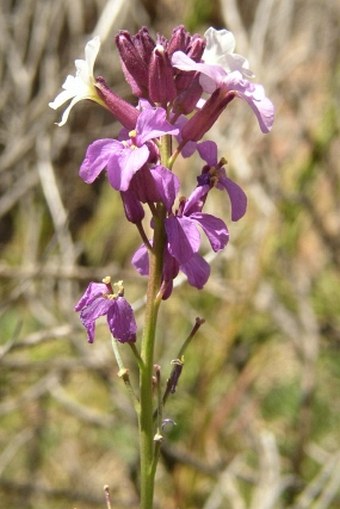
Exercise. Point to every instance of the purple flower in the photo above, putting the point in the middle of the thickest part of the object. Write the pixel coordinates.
(182, 228)
(99, 299)
(183, 242)
(196, 269)
(214, 175)
(123, 159)
(149, 185)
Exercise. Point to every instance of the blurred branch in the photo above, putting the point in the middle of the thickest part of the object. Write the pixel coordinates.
(81, 412)
(36, 338)
(58, 271)
(32, 393)
(12, 448)
(73, 494)
(270, 484)
(15, 193)
(320, 492)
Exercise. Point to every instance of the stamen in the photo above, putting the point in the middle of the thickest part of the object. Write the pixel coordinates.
(107, 281)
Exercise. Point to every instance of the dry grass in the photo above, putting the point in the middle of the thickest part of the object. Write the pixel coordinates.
(257, 411)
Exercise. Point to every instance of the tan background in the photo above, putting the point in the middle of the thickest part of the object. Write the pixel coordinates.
(257, 410)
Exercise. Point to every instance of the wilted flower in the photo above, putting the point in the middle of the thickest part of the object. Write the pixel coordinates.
(100, 299)
(220, 46)
(82, 85)
(223, 74)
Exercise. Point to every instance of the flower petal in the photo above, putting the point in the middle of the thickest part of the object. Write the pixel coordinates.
(196, 200)
(219, 42)
(82, 85)
(183, 238)
(97, 157)
(121, 320)
(197, 271)
(91, 52)
(214, 228)
(167, 185)
(255, 96)
(214, 72)
(89, 314)
(93, 291)
(152, 123)
(140, 260)
(208, 152)
(63, 97)
(220, 50)
(122, 167)
(238, 198)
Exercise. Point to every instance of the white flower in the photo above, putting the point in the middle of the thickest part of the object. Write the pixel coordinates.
(82, 85)
(220, 51)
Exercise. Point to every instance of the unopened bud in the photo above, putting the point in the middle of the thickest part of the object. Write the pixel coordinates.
(162, 88)
(121, 109)
(204, 118)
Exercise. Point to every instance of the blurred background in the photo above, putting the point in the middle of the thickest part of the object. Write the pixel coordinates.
(257, 410)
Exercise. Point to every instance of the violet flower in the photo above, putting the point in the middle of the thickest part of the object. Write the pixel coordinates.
(123, 159)
(99, 299)
(149, 185)
(182, 228)
(183, 242)
(214, 175)
(196, 269)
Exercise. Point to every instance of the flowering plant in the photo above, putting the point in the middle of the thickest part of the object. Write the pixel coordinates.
(183, 85)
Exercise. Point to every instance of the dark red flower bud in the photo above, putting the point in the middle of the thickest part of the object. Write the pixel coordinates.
(204, 118)
(179, 41)
(162, 89)
(144, 44)
(135, 52)
(196, 48)
(187, 99)
(121, 109)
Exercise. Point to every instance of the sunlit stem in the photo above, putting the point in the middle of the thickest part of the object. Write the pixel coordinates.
(107, 497)
(123, 373)
(149, 449)
(137, 355)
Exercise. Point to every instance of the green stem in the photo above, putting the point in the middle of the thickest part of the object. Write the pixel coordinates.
(149, 448)
(146, 424)
(124, 374)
